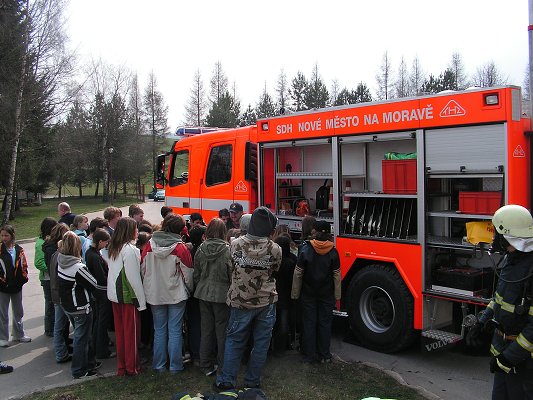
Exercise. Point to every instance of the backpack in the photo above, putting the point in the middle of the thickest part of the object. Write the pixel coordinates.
(322, 197)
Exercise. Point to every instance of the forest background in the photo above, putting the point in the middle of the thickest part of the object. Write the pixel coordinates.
(65, 122)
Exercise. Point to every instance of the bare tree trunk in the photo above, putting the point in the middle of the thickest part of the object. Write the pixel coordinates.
(60, 187)
(124, 187)
(14, 151)
(97, 187)
(80, 190)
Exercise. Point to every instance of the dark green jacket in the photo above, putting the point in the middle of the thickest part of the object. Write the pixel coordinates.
(212, 271)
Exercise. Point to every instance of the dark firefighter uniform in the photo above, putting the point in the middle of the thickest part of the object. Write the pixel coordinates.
(511, 312)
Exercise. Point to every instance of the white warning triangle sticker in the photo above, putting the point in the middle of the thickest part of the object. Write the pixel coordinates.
(452, 109)
(519, 152)
(241, 187)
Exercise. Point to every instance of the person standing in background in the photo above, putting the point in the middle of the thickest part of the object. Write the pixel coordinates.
(61, 321)
(13, 275)
(75, 285)
(103, 312)
(65, 215)
(235, 214)
(112, 215)
(46, 228)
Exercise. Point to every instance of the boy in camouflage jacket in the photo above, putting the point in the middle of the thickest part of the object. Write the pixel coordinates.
(252, 297)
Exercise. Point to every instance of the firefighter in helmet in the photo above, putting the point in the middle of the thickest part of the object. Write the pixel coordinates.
(510, 312)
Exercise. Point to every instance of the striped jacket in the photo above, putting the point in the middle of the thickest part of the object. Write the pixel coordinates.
(505, 308)
(75, 284)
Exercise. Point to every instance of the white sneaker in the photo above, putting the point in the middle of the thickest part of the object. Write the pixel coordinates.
(4, 343)
(23, 339)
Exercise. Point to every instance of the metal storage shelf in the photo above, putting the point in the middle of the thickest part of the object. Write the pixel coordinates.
(444, 242)
(303, 175)
(456, 294)
(459, 175)
(379, 194)
(457, 214)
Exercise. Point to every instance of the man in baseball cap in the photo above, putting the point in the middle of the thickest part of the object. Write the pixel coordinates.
(235, 214)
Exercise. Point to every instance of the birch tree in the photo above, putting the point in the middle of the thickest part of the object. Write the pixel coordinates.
(42, 67)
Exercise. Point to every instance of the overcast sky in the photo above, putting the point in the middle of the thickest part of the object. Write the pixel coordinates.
(254, 40)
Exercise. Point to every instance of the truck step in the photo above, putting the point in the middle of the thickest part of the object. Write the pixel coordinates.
(434, 340)
(447, 337)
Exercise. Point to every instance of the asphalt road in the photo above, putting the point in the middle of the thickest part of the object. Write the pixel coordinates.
(449, 375)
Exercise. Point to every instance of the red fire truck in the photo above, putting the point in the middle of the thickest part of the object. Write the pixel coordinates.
(405, 179)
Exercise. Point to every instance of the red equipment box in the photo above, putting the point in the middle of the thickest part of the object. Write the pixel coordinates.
(479, 202)
(399, 176)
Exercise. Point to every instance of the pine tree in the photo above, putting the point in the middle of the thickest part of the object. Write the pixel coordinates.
(317, 95)
(265, 107)
(458, 69)
(155, 116)
(402, 80)
(224, 113)
(219, 83)
(297, 91)
(416, 78)
(362, 93)
(249, 117)
(282, 92)
(196, 107)
(384, 78)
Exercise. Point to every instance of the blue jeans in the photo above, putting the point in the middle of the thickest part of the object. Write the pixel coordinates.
(48, 309)
(168, 337)
(83, 352)
(61, 324)
(259, 322)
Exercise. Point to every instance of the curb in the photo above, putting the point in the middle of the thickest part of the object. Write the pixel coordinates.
(397, 377)
(26, 240)
(62, 384)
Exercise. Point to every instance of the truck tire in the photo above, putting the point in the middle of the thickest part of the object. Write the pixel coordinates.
(381, 309)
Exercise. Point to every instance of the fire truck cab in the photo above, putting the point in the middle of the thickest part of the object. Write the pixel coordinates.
(405, 178)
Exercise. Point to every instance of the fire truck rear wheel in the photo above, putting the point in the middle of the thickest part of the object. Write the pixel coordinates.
(381, 309)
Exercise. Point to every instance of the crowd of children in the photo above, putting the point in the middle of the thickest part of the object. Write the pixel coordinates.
(178, 288)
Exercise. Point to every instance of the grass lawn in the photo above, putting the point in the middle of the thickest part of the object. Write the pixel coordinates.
(284, 377)
(28, 220)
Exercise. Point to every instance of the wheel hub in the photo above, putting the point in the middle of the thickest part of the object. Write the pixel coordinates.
(377, 309)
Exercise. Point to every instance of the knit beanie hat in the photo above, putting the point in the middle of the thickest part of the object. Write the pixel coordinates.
(244, 222)
(262, 223)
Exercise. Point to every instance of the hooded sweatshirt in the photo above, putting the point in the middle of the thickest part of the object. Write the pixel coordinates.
(75, 283)
(317, 273)
(252, 284)
(124, 285)
(166, 266)
(212, 271)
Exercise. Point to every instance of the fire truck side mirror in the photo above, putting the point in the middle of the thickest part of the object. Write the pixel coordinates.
(250, 161)
(160, 170)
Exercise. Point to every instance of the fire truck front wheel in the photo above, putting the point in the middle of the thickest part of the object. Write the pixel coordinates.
(381, 309)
